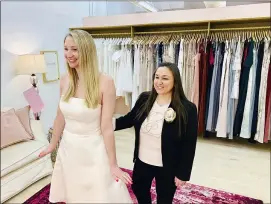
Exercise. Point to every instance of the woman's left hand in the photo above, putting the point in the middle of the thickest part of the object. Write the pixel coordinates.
(179, 183)
(119, 174)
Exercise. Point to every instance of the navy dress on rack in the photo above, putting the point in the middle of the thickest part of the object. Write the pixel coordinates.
(243, 85)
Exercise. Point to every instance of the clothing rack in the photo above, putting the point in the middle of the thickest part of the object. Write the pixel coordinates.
(208, 27)
(202, 35)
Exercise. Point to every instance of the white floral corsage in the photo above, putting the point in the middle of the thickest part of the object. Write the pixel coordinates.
(170, 115)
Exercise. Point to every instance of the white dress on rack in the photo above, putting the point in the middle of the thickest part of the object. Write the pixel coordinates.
(136, 71)
(221, 126)
(262, 93)
(81, 172)
(125, 72)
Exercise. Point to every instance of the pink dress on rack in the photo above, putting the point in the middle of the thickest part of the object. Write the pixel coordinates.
(195, 87)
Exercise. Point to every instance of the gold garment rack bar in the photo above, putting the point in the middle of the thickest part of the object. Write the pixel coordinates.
(244, 28)
(109, 34)
(170, 32)
(126, 34)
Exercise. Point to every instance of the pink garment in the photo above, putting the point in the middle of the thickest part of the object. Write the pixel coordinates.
(268, 108)
(34, 100)
(195, 87)
(267, 124)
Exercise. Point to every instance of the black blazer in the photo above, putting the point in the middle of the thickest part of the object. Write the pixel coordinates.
(177, 152)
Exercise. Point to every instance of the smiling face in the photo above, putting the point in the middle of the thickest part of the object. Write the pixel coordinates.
(71, 52)
(163, 81)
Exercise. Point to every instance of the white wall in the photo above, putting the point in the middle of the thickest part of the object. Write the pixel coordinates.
(28, 27)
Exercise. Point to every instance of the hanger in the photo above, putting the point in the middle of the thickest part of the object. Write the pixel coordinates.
(139, 39)
(268, 33)
(115, 41)
(150, 40)
(225, 36)
(258, 36)
(213, 36)
(161, 39)
(129, 40)
(124, 40)
(228, 36)
(177, 39)
(154, 37)
(173, 39)
(120, 40)
(221, 36)
(146, 39)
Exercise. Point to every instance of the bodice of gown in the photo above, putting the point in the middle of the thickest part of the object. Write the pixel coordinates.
(79, 119)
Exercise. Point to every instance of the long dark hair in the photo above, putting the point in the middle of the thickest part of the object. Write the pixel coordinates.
(178, 96)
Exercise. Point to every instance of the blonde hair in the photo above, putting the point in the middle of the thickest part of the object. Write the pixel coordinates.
(88, 65)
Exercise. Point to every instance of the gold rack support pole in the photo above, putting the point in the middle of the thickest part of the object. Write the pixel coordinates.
(209, 26)
(132, 32)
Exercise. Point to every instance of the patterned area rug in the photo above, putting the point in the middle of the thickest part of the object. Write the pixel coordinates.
(190, 193)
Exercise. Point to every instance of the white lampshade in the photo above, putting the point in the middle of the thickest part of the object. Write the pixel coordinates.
(30, 64)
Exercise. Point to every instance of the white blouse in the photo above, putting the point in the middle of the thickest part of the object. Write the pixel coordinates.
(150, 136)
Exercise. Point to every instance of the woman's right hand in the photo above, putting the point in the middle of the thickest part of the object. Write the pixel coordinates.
(48, 150)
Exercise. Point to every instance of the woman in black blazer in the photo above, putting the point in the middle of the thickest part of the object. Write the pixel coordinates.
(166, 127)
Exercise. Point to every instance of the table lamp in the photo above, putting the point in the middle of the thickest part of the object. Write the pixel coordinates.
(31, 64)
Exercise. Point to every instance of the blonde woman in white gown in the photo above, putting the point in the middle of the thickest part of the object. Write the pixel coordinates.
(86, 169)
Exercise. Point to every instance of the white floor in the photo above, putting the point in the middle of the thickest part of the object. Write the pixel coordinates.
(233, 166)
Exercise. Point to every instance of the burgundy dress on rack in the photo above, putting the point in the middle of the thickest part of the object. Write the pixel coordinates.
(203, 88)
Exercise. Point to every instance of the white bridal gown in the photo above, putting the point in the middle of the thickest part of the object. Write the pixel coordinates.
(81, 172)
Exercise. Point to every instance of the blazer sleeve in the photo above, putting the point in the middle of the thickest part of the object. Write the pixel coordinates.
(127, 121)
(188, 145)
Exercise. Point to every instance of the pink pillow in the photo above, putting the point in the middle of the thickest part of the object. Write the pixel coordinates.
(23, 115)
(12, 130)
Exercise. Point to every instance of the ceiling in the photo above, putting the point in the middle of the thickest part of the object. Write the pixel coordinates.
(185, 5)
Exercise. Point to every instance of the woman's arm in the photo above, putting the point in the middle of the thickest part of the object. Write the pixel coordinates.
(59, 122)
(188, 145)
(58, 127)
(108, 107)
(127, 121)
